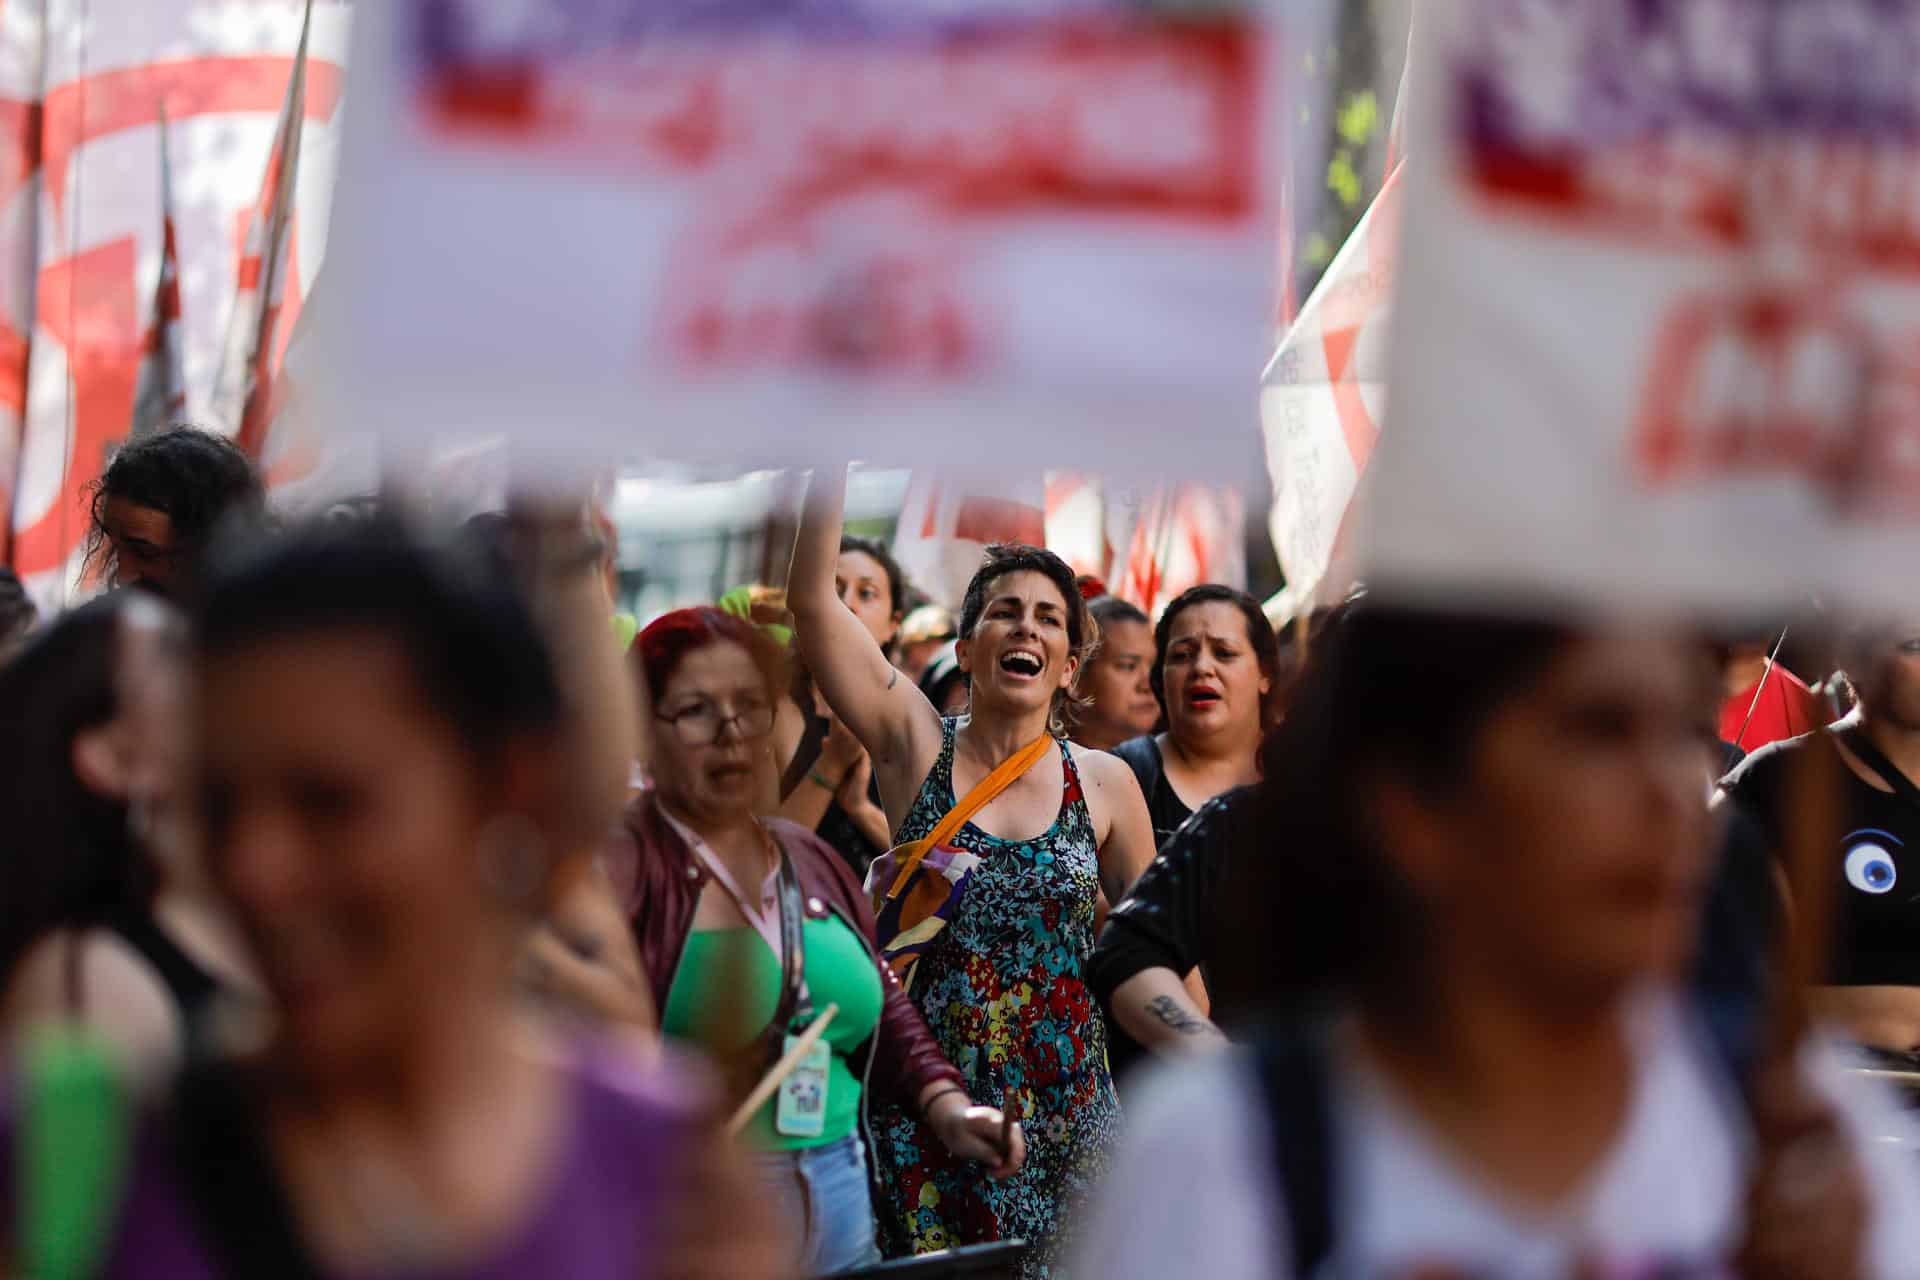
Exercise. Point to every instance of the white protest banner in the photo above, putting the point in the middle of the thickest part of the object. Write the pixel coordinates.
(955, 231)
(1659, 304)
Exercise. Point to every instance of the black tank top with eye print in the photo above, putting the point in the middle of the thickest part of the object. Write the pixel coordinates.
(1876, 860)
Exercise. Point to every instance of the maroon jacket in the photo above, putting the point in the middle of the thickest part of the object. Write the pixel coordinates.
(665, 888)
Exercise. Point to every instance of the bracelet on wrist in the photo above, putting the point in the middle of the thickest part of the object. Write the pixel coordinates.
(813, 776)
(926, 1108)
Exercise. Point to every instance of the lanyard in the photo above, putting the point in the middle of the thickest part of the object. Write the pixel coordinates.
(782, 928)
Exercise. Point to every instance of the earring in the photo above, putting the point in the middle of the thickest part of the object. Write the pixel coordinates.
(513, 859)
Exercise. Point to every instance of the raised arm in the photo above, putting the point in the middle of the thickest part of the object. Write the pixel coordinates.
(893, 721)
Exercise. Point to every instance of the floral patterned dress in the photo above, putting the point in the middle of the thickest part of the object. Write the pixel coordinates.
(1002, 990)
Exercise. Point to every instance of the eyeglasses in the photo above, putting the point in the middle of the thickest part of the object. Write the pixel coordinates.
(704, 723)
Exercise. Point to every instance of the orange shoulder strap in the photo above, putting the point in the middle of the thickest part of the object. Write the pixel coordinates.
(1010, 771)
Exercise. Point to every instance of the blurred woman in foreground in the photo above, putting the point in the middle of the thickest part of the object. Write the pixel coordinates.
(1497, 876)
(105, 918)
(385, 783)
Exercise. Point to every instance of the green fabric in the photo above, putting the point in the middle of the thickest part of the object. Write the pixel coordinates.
(71, 1154)
(739, 603)
(625, 628)
(839, 971)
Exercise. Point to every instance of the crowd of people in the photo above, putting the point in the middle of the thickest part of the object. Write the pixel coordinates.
(418, 915)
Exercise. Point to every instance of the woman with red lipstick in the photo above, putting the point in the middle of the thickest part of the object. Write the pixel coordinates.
(1001, 981)
(1215, 670)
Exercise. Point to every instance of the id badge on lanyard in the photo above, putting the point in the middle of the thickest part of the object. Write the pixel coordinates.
(800, 1107)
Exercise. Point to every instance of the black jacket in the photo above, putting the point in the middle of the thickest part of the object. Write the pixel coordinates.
(1167, 920)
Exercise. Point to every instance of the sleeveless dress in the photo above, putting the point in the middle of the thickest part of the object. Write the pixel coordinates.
(1002, 990)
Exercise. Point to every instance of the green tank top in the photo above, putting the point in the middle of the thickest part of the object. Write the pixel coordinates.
(839, 971)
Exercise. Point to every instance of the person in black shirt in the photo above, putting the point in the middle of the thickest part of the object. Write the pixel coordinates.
(1215, 667)
(1874, 991)
(1163, 931)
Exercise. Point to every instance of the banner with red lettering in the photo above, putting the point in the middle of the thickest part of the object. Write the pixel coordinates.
(1658, 321)
(92, 204)
(937, 232)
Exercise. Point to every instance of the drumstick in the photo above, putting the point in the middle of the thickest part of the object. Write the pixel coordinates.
(781, 1070)
(1813, 820)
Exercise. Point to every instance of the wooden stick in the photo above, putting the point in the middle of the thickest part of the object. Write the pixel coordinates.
(1813, 821)
(781, 1070)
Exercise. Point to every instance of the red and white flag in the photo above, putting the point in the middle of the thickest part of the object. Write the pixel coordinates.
(1323, 395)
(83, 223)
(1183, 536)
(161, 398)
(265, 309)
(948, 522)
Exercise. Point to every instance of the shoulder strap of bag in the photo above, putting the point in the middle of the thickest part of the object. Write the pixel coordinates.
(984, 792)
(1292, 1065)
(795, 1002)
(236, 1195)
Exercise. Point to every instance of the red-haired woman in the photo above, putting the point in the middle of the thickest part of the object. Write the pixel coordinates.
(722, 897)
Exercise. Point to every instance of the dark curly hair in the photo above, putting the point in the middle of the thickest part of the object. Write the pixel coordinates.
(199, 479)
(18, 612)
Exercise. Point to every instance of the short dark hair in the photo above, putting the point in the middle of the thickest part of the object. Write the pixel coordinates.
(1083, 636)
(897, 588)
(1107, 610)
(18, 612)
(1266, 646)
(1005, 558)
(467, 632)
(198, 478)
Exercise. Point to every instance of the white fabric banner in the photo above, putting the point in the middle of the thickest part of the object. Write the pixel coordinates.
(1659, 303)
(728, 232)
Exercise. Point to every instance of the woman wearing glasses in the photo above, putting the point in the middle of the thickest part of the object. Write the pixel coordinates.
(750, 929)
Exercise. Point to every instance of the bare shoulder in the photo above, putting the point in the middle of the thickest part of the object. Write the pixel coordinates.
(122, 997)
(1102, 770)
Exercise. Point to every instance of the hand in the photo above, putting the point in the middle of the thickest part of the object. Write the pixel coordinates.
(973, 1133)
(840, 752)
(866, 816)
(1807, 1205)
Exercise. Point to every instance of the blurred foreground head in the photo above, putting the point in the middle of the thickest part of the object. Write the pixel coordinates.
(158, 503)
(1464, 799)
(379, 722)
(91, 706)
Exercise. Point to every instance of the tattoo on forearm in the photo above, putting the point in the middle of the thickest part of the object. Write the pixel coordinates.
(1168, 1012)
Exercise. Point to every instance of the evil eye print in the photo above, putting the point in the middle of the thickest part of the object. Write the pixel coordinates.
(1870, 868)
